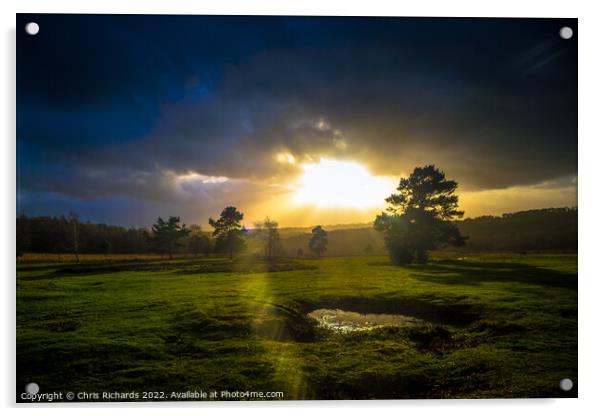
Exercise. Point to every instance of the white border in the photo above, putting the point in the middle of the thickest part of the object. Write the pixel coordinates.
(590, 288)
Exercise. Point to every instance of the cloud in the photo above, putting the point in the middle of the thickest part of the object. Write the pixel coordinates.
(123, 110)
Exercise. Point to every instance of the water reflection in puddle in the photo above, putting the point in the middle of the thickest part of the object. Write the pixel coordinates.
(346, 321)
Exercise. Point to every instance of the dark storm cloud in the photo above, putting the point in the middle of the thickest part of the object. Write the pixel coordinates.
(120, 105)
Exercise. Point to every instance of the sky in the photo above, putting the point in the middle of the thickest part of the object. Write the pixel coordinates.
(307, 120)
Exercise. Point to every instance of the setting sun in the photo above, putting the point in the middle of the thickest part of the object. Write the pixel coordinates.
(337, 183)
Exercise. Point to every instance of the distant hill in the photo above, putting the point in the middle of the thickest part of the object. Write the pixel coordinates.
(539, 229)
(345, 242)
(286, 231)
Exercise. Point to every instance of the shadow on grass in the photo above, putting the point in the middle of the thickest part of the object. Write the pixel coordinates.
(475, 273)
(198, 266)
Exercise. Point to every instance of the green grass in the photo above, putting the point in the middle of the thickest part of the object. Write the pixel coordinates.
(494, 326)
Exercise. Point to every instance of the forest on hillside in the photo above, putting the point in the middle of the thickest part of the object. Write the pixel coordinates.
(533, 230)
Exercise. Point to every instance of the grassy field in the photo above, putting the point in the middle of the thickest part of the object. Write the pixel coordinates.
(490, 326)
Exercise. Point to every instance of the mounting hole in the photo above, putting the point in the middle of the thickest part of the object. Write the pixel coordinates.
(566, 384)
(566, 32)
(32, 388)
(32, 28)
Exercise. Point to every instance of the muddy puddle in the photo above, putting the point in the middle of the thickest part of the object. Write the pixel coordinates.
(346, 321)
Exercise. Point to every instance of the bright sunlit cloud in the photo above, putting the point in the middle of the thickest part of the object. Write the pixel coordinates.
(192, 177)
(285, 157)
(345, 184)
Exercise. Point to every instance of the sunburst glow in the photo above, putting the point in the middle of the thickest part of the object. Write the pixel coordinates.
(347, 184)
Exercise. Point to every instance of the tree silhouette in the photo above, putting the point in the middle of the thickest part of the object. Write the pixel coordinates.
(267, 232)
(420, 216)
(165, 235)
(318, 241)
(228, 231)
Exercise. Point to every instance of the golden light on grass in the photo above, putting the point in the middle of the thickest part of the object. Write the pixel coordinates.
(333, 183)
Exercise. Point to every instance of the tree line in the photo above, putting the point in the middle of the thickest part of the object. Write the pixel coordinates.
(67, 234)
(532, 230)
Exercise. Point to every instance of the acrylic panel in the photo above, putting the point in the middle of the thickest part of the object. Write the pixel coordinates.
(295, 208)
